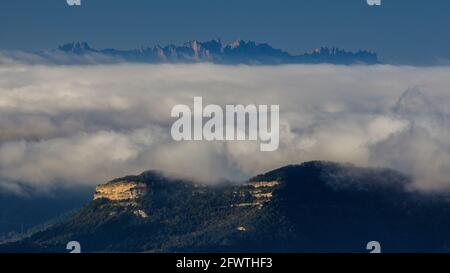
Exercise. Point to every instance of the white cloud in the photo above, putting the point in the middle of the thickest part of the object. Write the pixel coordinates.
(89, 124)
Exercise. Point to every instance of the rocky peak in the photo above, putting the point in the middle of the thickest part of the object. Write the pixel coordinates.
(236, 43)
(76, 47)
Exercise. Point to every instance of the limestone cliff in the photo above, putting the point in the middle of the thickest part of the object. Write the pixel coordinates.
(121, 190)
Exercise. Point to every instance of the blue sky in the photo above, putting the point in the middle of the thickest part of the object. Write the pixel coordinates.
(400, 31)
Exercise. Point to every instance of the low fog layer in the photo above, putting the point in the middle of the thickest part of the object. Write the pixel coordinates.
(90, 124)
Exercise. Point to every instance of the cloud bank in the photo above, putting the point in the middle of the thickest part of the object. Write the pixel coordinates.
(89, 124)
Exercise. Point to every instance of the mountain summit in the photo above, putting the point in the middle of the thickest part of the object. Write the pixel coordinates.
(216, 51)
(312, 207)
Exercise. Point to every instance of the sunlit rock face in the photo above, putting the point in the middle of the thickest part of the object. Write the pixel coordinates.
(122, 190)
(255, 193)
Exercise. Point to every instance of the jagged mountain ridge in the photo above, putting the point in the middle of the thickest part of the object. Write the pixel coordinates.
(216, 51)
(312, 207)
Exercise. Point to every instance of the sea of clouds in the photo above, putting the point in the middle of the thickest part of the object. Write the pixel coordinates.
(89, 124)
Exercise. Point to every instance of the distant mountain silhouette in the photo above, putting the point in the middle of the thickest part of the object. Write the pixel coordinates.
(312, 207)
(216, 51)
